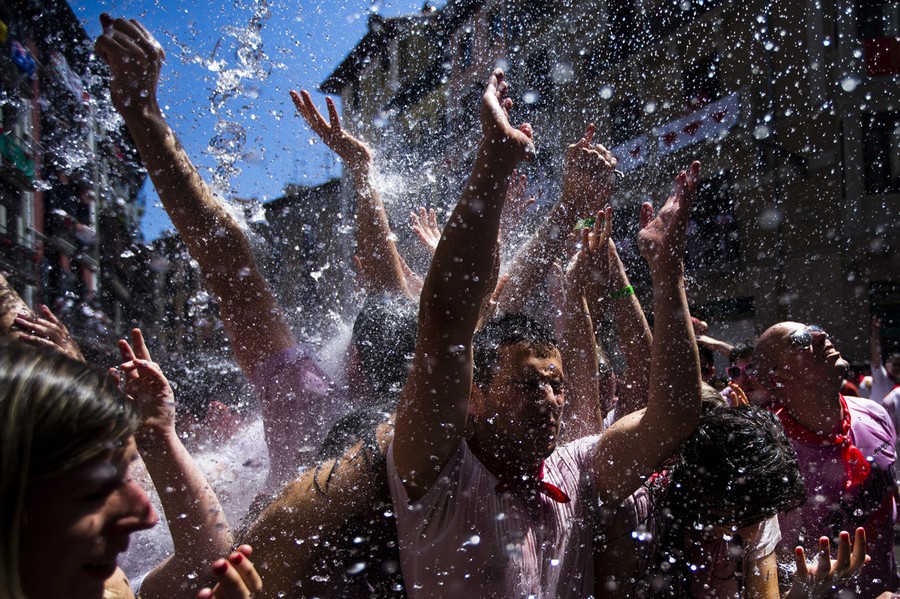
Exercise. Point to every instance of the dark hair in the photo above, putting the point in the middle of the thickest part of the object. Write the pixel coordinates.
(742, 351)
(737, 469)
(503, 331)
(384, 335)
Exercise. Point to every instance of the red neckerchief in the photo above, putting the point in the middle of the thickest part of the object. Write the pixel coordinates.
(855, 463)
(534, 482)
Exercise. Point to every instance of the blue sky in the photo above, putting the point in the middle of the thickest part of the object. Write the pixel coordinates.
(302, 41)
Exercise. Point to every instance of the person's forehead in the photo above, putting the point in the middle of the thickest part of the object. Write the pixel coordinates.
(780, 334)
(522, 356)
(109, 465)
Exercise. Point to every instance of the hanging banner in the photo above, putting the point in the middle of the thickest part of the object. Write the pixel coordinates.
(632, 153)
(708, 122)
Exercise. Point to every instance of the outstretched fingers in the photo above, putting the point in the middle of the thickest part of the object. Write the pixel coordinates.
(800, 561)
(140, 347)
(823, 566)
(333, 115)
(646, 214)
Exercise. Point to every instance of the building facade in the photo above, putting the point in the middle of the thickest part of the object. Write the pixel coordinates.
(792, 107)
(69, 174)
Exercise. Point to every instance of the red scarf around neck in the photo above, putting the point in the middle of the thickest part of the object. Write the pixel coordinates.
(855, 464)
(534, 482)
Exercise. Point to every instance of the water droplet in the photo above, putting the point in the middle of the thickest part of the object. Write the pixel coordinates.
(849, 84)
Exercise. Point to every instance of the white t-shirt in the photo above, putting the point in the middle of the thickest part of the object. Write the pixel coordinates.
(464, 536)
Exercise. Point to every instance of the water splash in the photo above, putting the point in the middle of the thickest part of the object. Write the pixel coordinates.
(242, 79)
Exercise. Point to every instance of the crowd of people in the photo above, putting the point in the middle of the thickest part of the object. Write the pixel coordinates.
(476, 439)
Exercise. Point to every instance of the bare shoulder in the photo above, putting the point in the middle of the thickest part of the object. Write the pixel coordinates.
(117, 586)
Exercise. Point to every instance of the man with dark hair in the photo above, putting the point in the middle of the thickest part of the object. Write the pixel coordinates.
(705, 525)
(845, 446)
(494, 508)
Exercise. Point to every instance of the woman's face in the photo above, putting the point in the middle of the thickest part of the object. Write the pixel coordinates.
(78, 522)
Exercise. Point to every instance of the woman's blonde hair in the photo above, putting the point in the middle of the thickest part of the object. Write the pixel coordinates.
(55, 414)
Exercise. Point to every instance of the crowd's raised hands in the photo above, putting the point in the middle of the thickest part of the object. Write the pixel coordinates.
(147, 386)
(356, 155)
(588, 174)
(134, 58)
(826, 575)
(590, 266)
(425, 226)
(661, 239)
(46, 330)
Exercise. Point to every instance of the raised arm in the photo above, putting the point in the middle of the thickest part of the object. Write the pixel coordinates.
(252, 317)
(431, 415)
(578, 345)
(251, 314)
(635, 445)
(197, 523)
(382, 268)
(588, 183)
(635, 337)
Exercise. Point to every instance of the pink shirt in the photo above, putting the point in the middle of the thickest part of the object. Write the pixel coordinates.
(299, 407)
(829, 510)
(464, 536)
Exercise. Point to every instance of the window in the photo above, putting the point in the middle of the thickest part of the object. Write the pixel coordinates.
(701, 82)
(713, 233)
(881, 152)
(625, 118)
(879, 19)
(879, 27)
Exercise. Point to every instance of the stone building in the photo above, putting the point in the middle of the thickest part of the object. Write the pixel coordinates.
(791, 106)
(69, 173)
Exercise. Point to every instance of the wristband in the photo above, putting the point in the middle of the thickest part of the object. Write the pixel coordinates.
(623, 292)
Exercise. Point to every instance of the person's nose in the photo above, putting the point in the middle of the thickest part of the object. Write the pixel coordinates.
(137, 513)
(552, 397)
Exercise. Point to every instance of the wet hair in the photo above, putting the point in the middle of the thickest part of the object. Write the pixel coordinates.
(55, 414)
(742, 351)
(503, 331)
(384, 335)
(205, 378)
(737, 469)
(739, 463)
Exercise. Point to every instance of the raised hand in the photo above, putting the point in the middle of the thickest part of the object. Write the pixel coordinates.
(661, 239)
(590, 266)
(134, 58)
(820, 580)
(355, 154)
(147, 387)
(588, 174)
(513, 143)
(237, 577)
(426, 228)
(47, 331)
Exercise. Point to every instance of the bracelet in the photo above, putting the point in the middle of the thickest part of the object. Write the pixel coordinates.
(623, 292)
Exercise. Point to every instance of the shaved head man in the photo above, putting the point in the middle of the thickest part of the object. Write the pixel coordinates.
(845, 446)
